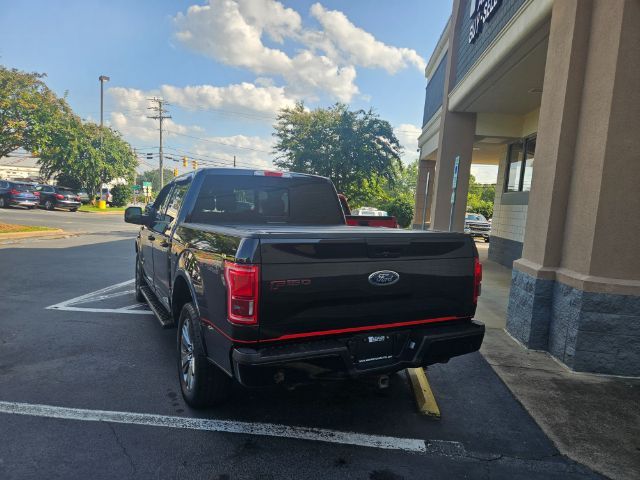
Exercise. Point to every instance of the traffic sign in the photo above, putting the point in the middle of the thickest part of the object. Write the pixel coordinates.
(456, 165)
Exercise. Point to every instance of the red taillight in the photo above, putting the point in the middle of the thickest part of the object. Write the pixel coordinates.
(477, 279)
(13, 191)
(242, 292)
(37, 194)
(59, 197)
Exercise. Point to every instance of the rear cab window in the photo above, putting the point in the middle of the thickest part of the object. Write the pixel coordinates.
(247, 199)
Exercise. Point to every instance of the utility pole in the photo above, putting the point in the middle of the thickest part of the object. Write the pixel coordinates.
(160, 111)
(102, 78)
(234, 161)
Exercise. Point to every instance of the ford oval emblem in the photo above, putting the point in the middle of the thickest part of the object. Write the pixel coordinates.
(382, 278)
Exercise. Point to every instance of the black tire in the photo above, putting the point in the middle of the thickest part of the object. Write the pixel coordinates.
(48, 205)
(486, 240)
(3, 203)
(202, 383)
(139, 282)
(73, 209)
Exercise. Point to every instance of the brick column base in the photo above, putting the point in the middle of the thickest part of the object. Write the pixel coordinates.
(587, 331)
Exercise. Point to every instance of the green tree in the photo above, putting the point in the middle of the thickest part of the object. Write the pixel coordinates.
(357, 150)
(121, 195)
(400, 207)
(68, 181)
(153, 176)
(88, 153)
(29, 111)
(480, 198)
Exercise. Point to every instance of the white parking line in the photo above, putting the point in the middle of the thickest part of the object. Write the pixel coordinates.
(98, 295)
(228, 426)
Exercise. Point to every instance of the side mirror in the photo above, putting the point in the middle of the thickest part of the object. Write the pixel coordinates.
(134, 215)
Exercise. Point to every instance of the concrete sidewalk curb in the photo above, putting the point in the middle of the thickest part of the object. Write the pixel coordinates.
(119, 212)
(40, 233)
(591, 419)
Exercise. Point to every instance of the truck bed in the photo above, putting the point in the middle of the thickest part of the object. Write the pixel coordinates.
(316, 279)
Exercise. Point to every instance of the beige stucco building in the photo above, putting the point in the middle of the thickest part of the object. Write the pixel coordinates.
(549, 91)
(19, 167)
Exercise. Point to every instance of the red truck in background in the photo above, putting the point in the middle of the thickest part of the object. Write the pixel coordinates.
(387, 221)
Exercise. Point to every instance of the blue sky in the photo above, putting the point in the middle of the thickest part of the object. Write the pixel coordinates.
(226, 66)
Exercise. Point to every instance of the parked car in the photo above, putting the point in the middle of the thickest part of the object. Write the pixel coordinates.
(367, 218)
(283, 291)
(84, 196)
(54, 196)
(17, 194)
(477, 225)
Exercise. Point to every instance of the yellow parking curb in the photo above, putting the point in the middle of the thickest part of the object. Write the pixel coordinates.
(422, 390)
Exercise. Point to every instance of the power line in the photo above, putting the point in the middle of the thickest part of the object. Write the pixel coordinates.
(208, 158)
(219, 143)
(160, 115)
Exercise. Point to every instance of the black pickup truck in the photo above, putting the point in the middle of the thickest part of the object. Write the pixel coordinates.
(268, 285)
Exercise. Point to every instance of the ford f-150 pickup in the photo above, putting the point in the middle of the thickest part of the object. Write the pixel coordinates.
(267, 284)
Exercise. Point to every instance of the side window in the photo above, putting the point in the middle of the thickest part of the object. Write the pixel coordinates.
(49, 190)
(176, 199)
(162, 197)
(520, 165)
(4, 184)
(160, 222)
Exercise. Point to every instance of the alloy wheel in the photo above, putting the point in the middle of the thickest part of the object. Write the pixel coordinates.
(187, 359)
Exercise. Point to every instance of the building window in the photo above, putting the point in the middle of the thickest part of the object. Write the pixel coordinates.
(520, 165)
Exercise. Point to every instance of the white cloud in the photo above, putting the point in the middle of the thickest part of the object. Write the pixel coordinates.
(220, 31)
(272, 17)
(360, 47)
(312, 74)
(408, 134)
(250, 151)
(244, 96)
(231, 32)
(130, 116)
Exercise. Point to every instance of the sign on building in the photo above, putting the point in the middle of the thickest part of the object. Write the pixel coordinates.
(480, 11)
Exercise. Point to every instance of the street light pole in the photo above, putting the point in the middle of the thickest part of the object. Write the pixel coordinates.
(102, 78)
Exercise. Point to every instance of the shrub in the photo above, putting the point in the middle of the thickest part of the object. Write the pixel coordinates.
(121, 195)
(401, 208)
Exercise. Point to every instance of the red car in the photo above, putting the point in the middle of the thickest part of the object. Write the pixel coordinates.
(366, 220)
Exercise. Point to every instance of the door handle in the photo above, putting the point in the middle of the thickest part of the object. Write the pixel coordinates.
(151, 238)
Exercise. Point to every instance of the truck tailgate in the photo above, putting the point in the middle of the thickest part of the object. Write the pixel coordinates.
(318, 286)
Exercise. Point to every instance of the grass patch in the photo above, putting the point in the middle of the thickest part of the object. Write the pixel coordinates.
(11, 228)
(91, 208)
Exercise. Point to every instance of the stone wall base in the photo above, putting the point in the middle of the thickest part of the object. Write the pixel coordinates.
(504, 251)
(587, 331)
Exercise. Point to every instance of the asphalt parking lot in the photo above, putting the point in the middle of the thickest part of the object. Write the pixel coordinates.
(73, 339)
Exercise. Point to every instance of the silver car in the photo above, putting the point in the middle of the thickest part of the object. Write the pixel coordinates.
(477, 225)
